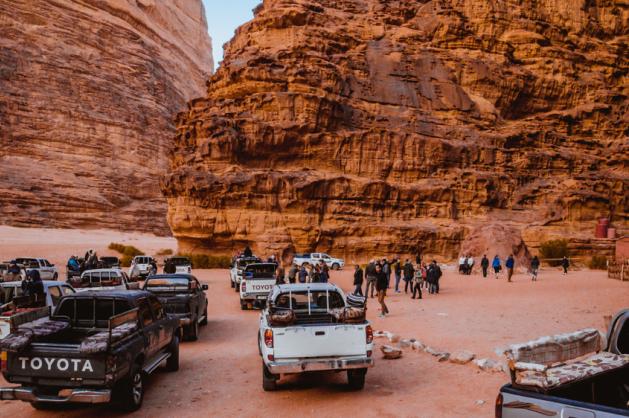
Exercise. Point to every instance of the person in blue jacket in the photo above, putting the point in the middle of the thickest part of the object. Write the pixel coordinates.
(510, 264)
(496, 265)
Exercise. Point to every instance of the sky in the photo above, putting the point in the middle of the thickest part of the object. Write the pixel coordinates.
(223, 17)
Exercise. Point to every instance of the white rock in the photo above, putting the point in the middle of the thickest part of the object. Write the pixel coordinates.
(405, 343)
(394, 338)
(390, 353)
(462, 357)
(417, 345)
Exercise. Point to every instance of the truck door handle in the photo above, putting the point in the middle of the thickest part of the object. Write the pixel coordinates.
(318, 333)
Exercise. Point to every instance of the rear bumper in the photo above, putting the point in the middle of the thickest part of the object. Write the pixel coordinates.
(300, 366)
(28, 394)
(253, 297)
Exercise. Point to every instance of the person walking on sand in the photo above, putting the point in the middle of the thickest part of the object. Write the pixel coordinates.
(409, 272)
(434, 274)
(418, 280)
(462, 264)
(496, 265)
(565, 263)
(370, 273)
(397, 269)
(534, 268)
(510, 264)
(358, 281)
(469, 264)
(484, 264)
(386, 268)
(381, 287)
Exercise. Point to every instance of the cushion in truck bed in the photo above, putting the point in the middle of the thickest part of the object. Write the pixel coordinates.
(552, 377)
(557, 348)
(97, 343)
(28, 332)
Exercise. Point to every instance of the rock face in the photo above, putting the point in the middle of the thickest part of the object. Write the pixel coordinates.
(371, 127)
(88, 91)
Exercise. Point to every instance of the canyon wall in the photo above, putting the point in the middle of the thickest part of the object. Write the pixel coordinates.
(88, 92)
(369, 127)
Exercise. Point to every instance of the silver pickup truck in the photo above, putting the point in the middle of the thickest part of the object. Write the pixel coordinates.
(594, 385)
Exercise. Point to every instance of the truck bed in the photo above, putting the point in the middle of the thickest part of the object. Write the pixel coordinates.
(320, 340)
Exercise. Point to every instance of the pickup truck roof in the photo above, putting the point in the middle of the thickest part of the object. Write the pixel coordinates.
(103, 294)
(300, 287)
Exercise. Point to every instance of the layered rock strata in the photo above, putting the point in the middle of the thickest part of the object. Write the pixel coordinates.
(88, 91)
(370, 127)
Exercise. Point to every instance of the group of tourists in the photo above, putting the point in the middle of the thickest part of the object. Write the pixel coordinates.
(317, 273)
(377, 274)
(466, 264)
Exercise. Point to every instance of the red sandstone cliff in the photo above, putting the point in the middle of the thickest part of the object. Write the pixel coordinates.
(367, 127)
(88, 90)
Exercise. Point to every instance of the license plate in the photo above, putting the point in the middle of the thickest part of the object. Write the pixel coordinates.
(261, 297)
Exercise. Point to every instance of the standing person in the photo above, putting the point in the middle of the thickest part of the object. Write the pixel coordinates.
(565, 263)
(417, 282)
(397, 269)
(409, 272)
(510, 264)
(324, 274)
(381, 287)
(484, 264)
(437, 275)
(534, 268)
(14, 272)
(358, 281)
(418, 256)
(469, 264)
(462, 264)
(386, 268)
(496, 265)
(303, 275)
(247, 252)
(370, 272)
(292, 273)
(311, 273)
(279, 274)
(424, 270)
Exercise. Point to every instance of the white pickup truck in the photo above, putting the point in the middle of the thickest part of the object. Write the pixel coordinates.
(570, 375)
(47, 271)
(306, 327)
(257, 281)
(316, 258)
(238, 266)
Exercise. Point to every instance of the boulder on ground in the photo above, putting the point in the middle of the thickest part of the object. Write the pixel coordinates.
(417, 345)
(443, 356)
(489, 365)
(405, 343)
(390, 352)
(394, 337)
(462, 357)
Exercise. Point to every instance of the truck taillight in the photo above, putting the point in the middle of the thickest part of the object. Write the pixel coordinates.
(369, 334)
(268, 338)
(499, 400)
(243, 287)
(3, 360)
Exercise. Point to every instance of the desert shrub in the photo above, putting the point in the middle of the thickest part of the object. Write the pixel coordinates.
(116, 247)
(165, 251)
(204, 261)
(598, 262)
(554, 249)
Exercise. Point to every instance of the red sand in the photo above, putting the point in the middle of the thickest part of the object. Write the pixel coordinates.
(220, 374)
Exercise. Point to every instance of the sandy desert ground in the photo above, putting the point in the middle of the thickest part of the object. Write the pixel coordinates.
(220, 374)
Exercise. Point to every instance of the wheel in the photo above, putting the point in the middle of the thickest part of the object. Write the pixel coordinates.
(193, 330)
(204, 321)
(55, 276)
(131, 391)
(259, 348)
(356, 378)
(269, 380)
(172, 364)
(336, 266)
(243, 306)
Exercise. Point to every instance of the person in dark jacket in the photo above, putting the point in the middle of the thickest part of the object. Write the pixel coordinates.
(248, 252)
(433, 275)
(381, 287)
(324, 274)
(386, 268)
(397, 269)
(370, 273)
(484, 264)
(496, 265)
(303, 274)
(565, 263)
(33, 285)
(534, 268)
(510, 264)
(292, 273)
(409, 272)
(358, 281)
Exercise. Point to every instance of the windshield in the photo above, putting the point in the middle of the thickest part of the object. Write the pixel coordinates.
(316, 300)
(245, 262)
(179, 261)
(142, 260)
(98, 279)
(167, 284)
(260, 271)
(27, 262)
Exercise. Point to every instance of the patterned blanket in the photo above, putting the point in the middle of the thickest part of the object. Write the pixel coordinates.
(27, 332)
(97, 343)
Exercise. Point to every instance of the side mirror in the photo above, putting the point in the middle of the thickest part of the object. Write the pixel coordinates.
(204, 287)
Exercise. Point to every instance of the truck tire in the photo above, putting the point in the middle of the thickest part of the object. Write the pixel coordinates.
(356, 378)
(336, 266)
(204, 321)
(130, 393)
(243, 306)
(172, 364)
(269, 380)
(193, 331)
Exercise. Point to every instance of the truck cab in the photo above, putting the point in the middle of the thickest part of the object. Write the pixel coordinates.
(47, 270)
(141, 267)
(257, 281)
(103, 279)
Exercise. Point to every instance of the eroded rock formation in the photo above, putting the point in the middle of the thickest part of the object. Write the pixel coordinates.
(88, 90)
(370, 127)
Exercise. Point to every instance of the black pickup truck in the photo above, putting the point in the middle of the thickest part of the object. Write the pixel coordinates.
(98, 347)
(182, 297)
